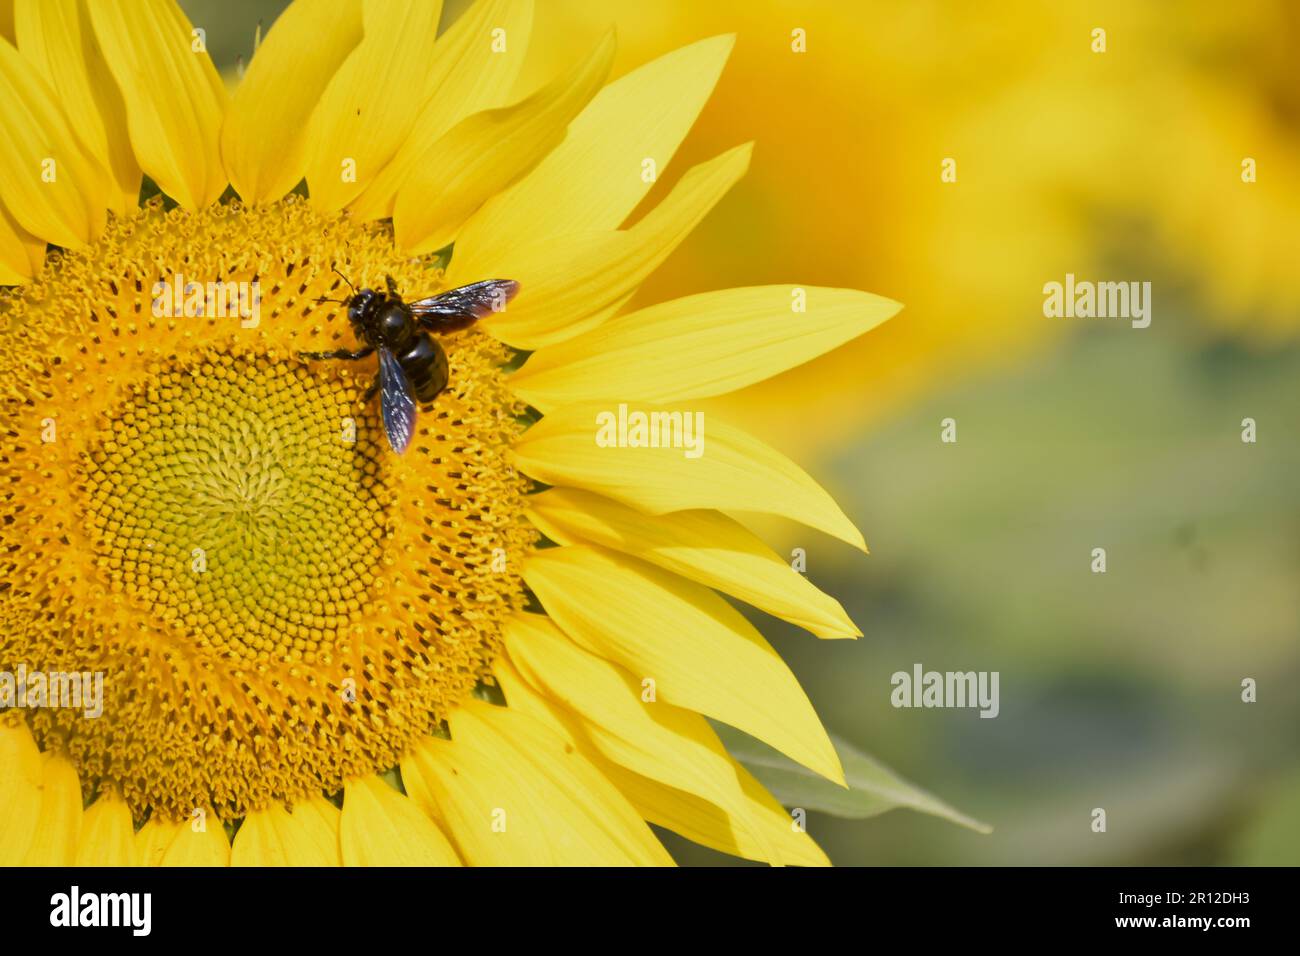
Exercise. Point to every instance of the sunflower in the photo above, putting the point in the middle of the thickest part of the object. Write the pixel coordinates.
(500, 647)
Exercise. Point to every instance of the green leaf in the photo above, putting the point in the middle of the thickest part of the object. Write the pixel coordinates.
(872, 787)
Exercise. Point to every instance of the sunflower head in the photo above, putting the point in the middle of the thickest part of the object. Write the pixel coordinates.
(282, 608)
(215, 524)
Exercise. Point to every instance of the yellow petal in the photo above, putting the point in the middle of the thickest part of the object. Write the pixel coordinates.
(484, 153)
(264, 139)
(7, 20)
(320, 821)
(21, 253)
(523, 698)
(153, 839)
(175, 101)
(20, 791)
(49, 185)
(699, 346)
(572, 283)
(54, 838)
(380, 827)
(704, 546)
(513, 793)
(697, 649)
(475, 63)
(178, 843)
(596, 177)
(258, 841)
(731, 472)
(473, 67)
(680, 811)
(107, 834)
(208, 847)
(708, 825)
(370, 104)
(667, 743)
(56, 38)
(276, 837)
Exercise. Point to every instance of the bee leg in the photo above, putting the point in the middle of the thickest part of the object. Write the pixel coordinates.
(370, 392)
(346, 354)
(392, 286)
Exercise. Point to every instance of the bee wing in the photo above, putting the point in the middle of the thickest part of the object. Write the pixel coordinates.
(396, 401)
(457, 309)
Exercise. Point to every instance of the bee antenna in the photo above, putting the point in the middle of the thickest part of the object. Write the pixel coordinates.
(345, 279)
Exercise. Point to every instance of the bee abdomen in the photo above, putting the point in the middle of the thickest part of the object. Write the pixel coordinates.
(425, 365)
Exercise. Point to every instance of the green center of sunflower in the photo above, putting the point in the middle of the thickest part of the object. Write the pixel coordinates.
(240, 497)
(276, 601)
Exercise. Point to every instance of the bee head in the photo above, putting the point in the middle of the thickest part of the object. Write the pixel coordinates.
(359, 305)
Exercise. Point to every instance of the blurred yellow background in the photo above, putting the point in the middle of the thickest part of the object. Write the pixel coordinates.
(1119, 690)
(1065, 160)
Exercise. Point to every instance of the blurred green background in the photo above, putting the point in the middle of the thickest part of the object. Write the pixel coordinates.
(1118, 690)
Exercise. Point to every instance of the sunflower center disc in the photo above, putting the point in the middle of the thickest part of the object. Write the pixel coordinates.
(276, 602)
(226, 497)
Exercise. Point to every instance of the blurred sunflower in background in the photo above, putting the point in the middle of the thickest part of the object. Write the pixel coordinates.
(316, 651)
(1065, 160)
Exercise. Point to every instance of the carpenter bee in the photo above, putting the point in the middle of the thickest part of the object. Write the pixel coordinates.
(412, 365)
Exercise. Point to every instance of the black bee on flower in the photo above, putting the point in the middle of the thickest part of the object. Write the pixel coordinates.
(412, 365)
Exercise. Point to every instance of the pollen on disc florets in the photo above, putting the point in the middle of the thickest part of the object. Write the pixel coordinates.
(275, 600)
